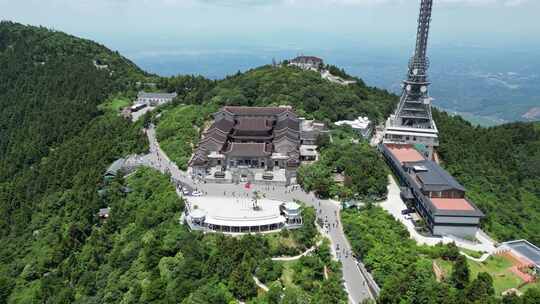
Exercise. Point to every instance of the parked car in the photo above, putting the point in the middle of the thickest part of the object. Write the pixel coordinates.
(406, 211)
(186, 192)
(197, 193)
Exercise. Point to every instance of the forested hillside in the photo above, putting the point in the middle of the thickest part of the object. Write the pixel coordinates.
(309, 94)
(49, 90)
(56, 144)
(500, 166)
(54, 147)
(59, 130)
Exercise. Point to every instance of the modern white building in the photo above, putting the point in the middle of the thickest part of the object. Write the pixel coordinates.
(362, 125)
(154, 99)
(237, 215)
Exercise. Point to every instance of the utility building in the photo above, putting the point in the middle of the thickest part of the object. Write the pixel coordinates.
(436, 196)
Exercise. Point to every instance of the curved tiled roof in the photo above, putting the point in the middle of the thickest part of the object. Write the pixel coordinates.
(224, 125)
(289, 123)
(256, 111)
(289, 135)
(199, 158)
(252, 124)
(216, 135)
(248, 149)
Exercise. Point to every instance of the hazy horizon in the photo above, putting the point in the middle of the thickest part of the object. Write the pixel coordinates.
(477, 47)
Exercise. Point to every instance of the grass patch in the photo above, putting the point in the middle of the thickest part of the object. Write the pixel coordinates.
(288, 273)
(114, 104)
(531, 285)
(496, 266)
(472, 253)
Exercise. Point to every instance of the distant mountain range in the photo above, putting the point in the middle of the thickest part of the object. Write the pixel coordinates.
(486, 86)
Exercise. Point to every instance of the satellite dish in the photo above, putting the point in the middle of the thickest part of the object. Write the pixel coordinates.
(415, 71)
(423, 89)
(409, 87)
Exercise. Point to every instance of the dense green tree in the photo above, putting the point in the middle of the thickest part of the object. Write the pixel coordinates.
(294, 296)
(531, 296)
(363, 169)
(241, 282)
(275, 292)
(306, 91)
(481, 287)
(511, 298)
(269, 271)
(212, 293)
(451, 253)
(460, 273)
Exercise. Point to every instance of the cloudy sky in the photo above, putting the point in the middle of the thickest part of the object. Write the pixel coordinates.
(164, 25)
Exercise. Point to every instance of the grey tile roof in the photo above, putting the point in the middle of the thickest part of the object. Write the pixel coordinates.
(216, 135)
(307, 59)
(290, 136)
(115, 166)
(526, 249)
(253, 124)
(248, 150)
(434, 178)
(290, 123)
(309, 135)
(223, 124)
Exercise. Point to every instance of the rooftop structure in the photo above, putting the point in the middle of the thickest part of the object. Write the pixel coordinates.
(432, 192)
(431, 177)
(404, 153)
(453, 204)
(114, 168)
(527, 251)
(362, 125)
(104, 213)
(412, 122)
(154, 99)
(240, 214)
(307, 62)
(248, 141)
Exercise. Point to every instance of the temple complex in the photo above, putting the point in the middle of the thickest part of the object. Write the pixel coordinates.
(255, 144)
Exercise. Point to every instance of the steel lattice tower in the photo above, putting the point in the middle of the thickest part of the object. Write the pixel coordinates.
(414, 109)
(412, 122)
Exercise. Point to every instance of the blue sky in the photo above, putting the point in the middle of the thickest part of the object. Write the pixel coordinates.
(160, 25)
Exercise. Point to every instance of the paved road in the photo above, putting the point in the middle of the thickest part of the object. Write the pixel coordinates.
(355, 283)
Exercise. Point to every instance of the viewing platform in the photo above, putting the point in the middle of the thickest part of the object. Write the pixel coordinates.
(240, 214)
